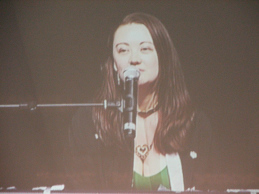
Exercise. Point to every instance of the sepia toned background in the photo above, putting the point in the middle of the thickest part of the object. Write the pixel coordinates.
(51, 52)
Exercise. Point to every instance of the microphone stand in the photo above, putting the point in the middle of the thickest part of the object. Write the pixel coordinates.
(33, 105)
(129, 137)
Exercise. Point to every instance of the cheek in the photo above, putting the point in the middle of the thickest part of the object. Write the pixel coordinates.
(121, 64)
(154, 72)
(155, 66)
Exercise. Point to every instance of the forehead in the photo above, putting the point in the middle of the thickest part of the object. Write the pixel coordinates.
(132, 33)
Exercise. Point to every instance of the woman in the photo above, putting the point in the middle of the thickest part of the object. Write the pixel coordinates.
(172, 138)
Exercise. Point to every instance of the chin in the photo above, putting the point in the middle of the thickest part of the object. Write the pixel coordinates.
(143, 83)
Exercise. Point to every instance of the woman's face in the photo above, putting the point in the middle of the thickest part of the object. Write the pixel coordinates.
(133, 46)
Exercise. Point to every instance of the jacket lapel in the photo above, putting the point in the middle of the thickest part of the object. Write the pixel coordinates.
(175, 172)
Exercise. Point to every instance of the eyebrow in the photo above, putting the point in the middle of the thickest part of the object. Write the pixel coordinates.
(146, 42)
(121, 43)
(125, 43)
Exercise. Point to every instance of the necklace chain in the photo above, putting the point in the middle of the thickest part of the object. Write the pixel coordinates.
(149, 111)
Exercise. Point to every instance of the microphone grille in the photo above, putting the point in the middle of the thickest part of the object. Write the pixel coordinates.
(131, 72)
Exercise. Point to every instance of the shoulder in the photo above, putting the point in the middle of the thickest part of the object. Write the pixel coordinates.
(201, 135)
(201, 117)
(201, 123)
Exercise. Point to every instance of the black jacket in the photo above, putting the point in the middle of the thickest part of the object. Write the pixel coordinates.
(95, 167)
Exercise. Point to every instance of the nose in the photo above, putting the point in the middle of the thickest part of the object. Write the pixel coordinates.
(135, 58)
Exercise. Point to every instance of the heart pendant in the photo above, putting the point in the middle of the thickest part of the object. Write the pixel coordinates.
(142, 151)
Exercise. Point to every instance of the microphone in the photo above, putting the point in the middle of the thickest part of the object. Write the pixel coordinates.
(131, 76)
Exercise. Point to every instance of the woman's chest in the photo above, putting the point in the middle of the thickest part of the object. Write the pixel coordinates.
(147, 161)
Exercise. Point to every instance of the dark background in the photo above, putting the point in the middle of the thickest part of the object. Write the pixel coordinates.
(51, 52)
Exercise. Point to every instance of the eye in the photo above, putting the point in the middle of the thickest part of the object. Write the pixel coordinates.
(146, 49)
(122, 50)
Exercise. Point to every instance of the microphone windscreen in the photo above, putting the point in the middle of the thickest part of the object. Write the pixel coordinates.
(131, 73)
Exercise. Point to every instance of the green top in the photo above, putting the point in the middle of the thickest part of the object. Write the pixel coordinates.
(151, 183)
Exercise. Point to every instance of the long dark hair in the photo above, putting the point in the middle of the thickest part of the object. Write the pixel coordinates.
(175, 111)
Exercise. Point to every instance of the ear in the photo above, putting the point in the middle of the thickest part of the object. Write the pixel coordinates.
(115, 67)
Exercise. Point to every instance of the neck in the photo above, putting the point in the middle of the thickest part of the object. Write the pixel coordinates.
(146, 98)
